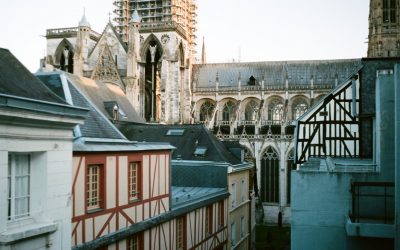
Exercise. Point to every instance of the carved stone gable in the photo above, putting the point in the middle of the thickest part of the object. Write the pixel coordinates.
(106, 69)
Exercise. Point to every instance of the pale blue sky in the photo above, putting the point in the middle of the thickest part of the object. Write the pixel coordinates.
(264, 30)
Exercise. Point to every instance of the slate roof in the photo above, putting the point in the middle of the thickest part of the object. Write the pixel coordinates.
(96, 125)
(186, 144)
(16, 80)
(324, 72)
(99, 92)
(182, 196)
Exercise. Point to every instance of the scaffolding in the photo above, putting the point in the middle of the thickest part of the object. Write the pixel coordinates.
(158, 12)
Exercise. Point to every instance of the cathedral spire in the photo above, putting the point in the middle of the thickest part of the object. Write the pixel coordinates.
(84, 22)
(135, 17)
(203, 53)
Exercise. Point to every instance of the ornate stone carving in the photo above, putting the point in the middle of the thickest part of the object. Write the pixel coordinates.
(165, 39)
(105, 67)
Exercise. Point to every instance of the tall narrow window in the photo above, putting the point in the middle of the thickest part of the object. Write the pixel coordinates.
(251, 111)
(180, 233)
(94, 187)
(389, 11)
(270, 176)
(242, 191)
(290, 166)
(275, 111)
(19, 172)
(242, 224)
(233, 195)
(209, 219)
(228, 113)
(133, 243)
(221, 214)
(233, 234)
(206, 111)
(133, 180)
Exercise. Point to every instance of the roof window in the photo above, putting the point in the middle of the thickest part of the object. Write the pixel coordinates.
(175, 131)
(200, 151)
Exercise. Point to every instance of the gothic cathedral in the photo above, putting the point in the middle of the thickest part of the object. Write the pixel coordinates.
(150, 59)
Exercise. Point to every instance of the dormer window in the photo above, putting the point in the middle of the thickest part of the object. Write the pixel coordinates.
(114, 110)
(252, 81)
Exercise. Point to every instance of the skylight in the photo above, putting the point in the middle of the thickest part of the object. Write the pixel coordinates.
(200, 151)
(175, 131)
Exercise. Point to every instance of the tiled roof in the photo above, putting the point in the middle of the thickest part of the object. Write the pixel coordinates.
(16, 80)
(274, 73)
(193, 136)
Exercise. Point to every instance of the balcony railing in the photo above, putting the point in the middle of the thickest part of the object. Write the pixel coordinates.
(372, 202)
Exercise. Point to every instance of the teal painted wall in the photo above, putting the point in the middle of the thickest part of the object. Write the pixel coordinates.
(321, 200)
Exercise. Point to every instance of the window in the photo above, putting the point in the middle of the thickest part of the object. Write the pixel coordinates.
(221, 214)
(242, 222)
(290, 166)
(19, 177)
(275, 111)
(233, 195)
(133, 243)
(228, 112)
(251, 111)
(180, 233)
(200, 151)
(206, 111)
(299, 110)
(94, 187)
(242, 191)
(175, 131)
(133, 180)
(233, 234)
(209, 219)
(270, 176)
(389, 11)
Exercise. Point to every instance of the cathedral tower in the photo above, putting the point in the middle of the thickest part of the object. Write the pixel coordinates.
(384, 28)
(167, 50)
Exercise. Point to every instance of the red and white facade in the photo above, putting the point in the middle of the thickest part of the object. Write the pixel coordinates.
(122, 200)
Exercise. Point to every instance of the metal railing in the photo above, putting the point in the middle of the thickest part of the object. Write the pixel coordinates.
(372, 202)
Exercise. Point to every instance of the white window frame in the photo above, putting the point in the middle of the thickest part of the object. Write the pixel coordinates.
(241, 227)
(233, 195)
(133, 175)
(93, 195)
(242, 185)
(12, 198)
(233, 233)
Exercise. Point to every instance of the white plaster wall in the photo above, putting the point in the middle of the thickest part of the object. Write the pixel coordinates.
(51, 174)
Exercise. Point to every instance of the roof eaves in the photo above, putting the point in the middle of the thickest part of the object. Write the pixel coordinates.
(42, 106)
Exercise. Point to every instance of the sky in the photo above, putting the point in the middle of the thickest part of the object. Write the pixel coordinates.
(233, 30)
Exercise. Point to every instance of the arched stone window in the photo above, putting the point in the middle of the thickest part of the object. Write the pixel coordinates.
(251, 111)
(275, 111)
(206, 111)
(299, 109)
(228, 113)
(290, 166)
(270, 176)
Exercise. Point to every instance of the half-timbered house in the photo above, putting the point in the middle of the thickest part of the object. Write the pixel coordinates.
(345, 192)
